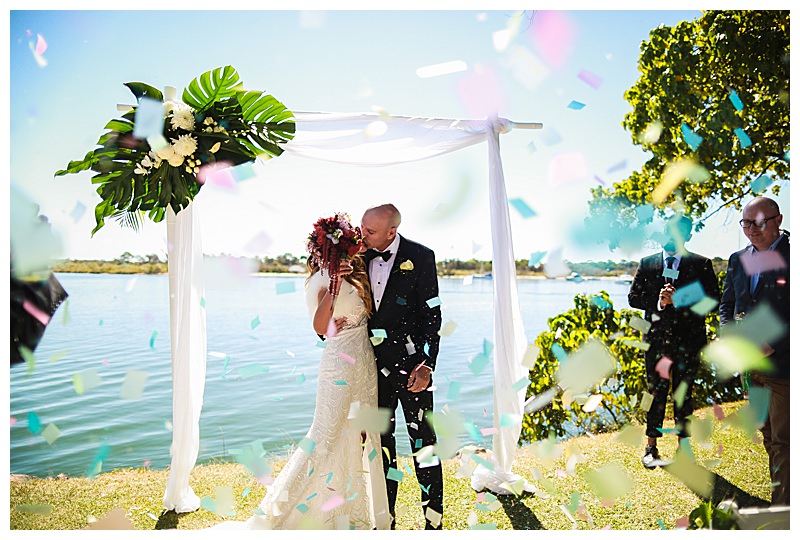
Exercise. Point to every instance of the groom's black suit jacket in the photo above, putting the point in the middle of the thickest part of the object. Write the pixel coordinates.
(405, 310)
(673, 327)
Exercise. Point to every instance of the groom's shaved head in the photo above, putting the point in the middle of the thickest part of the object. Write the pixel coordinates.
(387, 212)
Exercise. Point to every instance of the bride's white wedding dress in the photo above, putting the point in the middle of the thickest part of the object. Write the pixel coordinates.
(340, 484)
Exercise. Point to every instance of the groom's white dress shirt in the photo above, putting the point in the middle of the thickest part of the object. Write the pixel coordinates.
(379, 271)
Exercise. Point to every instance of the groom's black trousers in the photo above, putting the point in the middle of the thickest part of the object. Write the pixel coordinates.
(391, 390)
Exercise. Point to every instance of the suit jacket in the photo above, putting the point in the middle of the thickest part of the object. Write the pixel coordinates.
(772, 288)
(405, 312)
(673, 327)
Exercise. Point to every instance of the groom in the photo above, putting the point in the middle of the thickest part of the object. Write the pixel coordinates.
(405, 295)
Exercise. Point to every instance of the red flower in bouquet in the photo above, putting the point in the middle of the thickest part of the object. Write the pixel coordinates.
(333, 240)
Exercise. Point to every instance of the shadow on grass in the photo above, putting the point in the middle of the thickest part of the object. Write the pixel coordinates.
(724, 490)
(168, 520)
(521, 517)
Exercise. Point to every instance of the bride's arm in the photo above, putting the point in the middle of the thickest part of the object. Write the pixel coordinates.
(322, 316)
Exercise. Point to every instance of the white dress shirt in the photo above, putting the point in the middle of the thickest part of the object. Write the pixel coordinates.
(675, 264)
(379, 271)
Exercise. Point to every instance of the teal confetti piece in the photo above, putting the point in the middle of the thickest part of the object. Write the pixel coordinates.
(433, 302)
(670, 273)
(559, 352)
(340, 383)
(209, 504)
(379, 333)
(153, 339)
(373, 454)
(284, 287)
(417, 444)
(644, 213)
(328, 480)
(744, 140)
(394, 475)
(453, 390)
(522, 207)
(426, 489)
(97, 464)
(536, 258)
(478, 363)
(576, 105)
(255, 322)
(680, 394)
(34, 424)
(761, 183)
(705, 305)
(301, 379)
(520, 384)
(427, 349)
(203, 302)
(353, 496)
(688, 295)
(509, 420)
(321, 344)
(243, 172)
(737, 103)
(691, 138)
(251, 370)
(488, 347)
(668, 431)
(85, 380)
(759, 403)
(133, 385)
(246, 492)
(482, 506)
(149, 118)
(601, 302)
(661, 524)
(408, 470)
(472, 429)
(311, 496)
(307, 445)
(100, 323)
(401, 301)
(302, 508)
(485, 463)
(225, 363)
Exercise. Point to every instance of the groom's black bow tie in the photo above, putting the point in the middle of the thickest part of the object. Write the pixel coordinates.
(372, 253)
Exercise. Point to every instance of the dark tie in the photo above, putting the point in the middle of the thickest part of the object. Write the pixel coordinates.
(670, 262)
(372, 253)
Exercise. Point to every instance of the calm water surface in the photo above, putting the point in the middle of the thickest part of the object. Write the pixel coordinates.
(118, 323)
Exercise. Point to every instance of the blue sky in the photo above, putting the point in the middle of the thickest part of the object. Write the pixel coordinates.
(343, 61)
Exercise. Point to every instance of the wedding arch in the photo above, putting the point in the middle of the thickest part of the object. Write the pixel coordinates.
(341, 138)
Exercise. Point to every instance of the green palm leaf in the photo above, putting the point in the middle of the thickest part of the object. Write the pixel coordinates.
(210, 87)
(140, 90)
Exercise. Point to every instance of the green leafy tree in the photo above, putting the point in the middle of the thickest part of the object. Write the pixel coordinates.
(594, 317)
(723, 72)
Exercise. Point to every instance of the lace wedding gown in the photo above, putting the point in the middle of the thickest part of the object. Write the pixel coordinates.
(340, 484)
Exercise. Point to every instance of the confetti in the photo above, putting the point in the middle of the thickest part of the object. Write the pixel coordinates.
(530, 356)
(617, 166)
(638, 323)
(538, 402)
(638, 344)
(705, 305)
(285, 287)
(744, 140)
(609, 482)
(695, 477)
(453, 390)
(647, 401)
(592, 403)
(307, 445)
(631, 435)
(691, 138)
(536, 258)
(568, 168)
(759, 326)
(97, 464)
(447, 329)
(663, 367)
(522, 207)
(252, 370)
(688, 295)
(759, 401)
(85, 380)
(379, 333)
(478, 363)
(576, 105)
(443, 68)
(521, 384)
(733, 354)
(680, 393)
(34, 424)
(51, 433)
(149, 119)
(394, 475)
(719, 414)
(509, 420)
(652, 132)
(301, 378)
(675, 173)
(334, 502)
(762, 261)
(40, 509)
(36, 313)
(371, 419)
(433, 302)
(153, 339)
(601, 302)
(590, 78)
(255, 322)
(670, 273)
(133, 385)
(700, 429)
(77, 212)
(761, 183)
(584, 367)
(737, 102)
(347, 358)
(559, 352)
(115, 519)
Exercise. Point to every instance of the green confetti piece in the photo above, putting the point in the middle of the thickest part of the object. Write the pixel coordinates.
(376, 341)
(761, 325)
(85, 380)
(695, 477)
(585, 367)
(484, 527)
(453, 390)
(27, 355)
(401, 301)
(285, 287)
(58, 356)
(372, 419)
(51, 433)
(133, 385)
(302, 508)
(522, 207)
(433, 302)
(307, 445)
(379, 333)
(447, 329)
(705, 305)
(733, 354)
(609, 482)
(630, 435)
(34, 424)
(39, 509)
(647, 401)
(700, 429)
(394, 475)
(638, 344)
(680, 393)
(520, 384)
(65, 318)
(255, 322)
(478, 363)
(637, 323)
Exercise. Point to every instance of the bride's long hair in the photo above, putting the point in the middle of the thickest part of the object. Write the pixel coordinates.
(358, 278)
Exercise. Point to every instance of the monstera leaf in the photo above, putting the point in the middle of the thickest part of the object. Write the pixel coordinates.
(210, 87)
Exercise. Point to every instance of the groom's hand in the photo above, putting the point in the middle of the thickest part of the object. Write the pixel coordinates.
(339, 322)
(419, 379)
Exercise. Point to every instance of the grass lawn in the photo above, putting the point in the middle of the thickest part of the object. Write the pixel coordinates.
(655, 500)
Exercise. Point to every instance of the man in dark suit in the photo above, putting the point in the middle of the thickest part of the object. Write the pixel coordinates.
(755, 278)
(405, 293)
(677, 334)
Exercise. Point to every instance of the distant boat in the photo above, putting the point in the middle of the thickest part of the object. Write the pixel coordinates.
(574, 276)
(488, 275)
(624, 279)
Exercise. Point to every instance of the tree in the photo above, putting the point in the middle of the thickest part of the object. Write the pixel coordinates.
(723, 77)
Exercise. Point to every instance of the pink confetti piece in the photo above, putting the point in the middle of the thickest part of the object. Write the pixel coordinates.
(599, 179)
(682, 523)
(481, 497)
(718, 412)
(617, 166)
(719, 450)
(762, 261)
(481, 93)
(590, 78)
(488, 431)
(217, 174)
(13, 420)
(567, 167)
(334, 502)
(662, 367)
(331, 331)
(553, 36)
(347, 358)
(560, 472)
(36, 313)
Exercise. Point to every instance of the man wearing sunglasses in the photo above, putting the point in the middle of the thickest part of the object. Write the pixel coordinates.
(758, 275)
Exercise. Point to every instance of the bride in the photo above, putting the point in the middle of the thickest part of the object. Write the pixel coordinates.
(335, 479)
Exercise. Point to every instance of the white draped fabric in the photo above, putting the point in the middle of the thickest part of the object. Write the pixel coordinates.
(188, 338)
(362, 140)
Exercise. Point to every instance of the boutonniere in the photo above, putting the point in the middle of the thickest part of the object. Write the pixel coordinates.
(406, 265)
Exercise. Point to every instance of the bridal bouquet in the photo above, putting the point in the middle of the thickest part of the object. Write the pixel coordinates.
(333, 240)
(157, 153)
